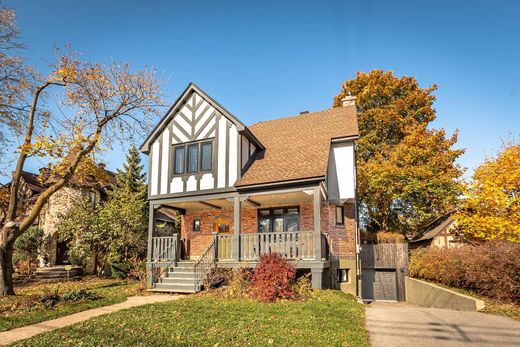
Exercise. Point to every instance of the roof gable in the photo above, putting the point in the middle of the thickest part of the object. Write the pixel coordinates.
(297, 147)
(190, 108)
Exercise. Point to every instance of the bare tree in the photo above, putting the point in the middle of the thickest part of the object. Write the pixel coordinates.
(100, 103)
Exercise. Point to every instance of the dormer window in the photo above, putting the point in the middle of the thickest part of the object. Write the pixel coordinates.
(193, 157)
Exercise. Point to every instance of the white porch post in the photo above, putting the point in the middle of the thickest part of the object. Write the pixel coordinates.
(151, 226)
(237, 227)
(317, 221)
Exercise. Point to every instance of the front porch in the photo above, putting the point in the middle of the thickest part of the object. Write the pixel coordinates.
(234, 230)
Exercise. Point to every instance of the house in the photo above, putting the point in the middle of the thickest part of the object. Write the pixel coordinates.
(285, 185)
(74, 192)
(439, 233)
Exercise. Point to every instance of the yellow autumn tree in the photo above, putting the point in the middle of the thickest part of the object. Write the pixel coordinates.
(491, 208)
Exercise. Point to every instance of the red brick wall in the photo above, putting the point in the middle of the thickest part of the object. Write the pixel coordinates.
(341, 238)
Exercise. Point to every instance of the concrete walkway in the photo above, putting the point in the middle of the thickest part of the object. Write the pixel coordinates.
(401, 324)
(17, 334)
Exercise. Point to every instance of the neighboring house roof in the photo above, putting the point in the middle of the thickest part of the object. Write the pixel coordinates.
(38, 182)
(298, 147)
(434, 228)
(32, 182)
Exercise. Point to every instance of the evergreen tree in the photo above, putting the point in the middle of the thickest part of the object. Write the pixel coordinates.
(132, 176)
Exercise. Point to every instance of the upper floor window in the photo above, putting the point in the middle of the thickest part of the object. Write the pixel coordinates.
(193, 157)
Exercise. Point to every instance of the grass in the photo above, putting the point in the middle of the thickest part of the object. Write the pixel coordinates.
(24, 308)
(511, 310)
(329, 318)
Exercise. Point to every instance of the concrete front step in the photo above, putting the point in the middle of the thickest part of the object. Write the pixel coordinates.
(175, 288)
(177, 280)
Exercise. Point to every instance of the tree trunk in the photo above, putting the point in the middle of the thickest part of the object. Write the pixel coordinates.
(6, 270)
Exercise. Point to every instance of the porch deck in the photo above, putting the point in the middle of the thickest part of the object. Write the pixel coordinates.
(307, 249)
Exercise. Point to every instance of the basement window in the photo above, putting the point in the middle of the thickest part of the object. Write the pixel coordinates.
(343, 275)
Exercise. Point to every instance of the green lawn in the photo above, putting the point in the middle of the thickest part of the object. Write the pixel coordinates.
(330, 318)
(24, 308)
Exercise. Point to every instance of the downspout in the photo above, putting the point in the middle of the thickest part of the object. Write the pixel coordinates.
(357, 236)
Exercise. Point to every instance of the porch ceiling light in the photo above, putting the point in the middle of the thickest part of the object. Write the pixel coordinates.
(309, 191)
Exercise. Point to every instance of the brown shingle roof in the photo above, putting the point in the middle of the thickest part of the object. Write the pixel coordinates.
(298, 147)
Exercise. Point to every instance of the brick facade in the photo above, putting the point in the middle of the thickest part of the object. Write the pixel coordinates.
(341, 238)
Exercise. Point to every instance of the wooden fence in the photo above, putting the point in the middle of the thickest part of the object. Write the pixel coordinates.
(379, 263)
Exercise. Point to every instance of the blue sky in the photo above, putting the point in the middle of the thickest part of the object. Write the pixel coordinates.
(267, 59)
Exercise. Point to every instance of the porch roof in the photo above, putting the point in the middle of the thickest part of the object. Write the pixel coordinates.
(297, 147)
(261, 200)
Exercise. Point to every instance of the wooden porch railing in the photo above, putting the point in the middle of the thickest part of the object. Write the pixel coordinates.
(164, 255)
(165, 248)
(294, 245)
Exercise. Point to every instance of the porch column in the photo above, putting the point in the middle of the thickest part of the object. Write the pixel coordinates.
(151, 227)
(237, 227)
(317, 222)
(317, 278)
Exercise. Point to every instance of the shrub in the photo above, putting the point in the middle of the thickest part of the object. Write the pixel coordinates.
(217, 277)
(81, 295)
(302, 287)
(382, 237)
(490, 269)
(120, 270)
(239, 283)
(273, 278)
(26, 250)
(49, 298)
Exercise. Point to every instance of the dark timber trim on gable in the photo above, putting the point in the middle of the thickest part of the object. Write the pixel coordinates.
(180, 102)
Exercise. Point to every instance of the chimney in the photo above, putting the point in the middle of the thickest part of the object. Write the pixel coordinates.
(349, 100)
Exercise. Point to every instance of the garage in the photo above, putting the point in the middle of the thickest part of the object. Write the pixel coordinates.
(383, 270)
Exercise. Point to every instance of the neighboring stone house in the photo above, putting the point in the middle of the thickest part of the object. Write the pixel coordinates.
(33, 184)
(282, 186)
(442, 232)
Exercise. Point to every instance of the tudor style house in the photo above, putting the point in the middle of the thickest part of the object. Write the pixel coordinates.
(286, 186)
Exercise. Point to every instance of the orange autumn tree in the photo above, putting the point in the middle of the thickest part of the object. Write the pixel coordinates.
(491, 207)
(99, 104)
(407, 174)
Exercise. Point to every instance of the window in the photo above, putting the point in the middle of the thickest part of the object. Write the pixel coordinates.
(193, 157)
(278, 219)
(196, 224)
(342, 275)
(179, 160)
(340, 215)
(206, 156)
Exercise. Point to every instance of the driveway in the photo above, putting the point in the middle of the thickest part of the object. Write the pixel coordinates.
(402, 324)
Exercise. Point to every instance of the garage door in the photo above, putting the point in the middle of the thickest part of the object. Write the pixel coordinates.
(379, 284)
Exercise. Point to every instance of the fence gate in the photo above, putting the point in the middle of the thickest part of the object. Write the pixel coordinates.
(383, 271)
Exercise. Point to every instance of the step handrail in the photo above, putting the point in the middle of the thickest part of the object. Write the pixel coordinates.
(173, 261)
(204, 264)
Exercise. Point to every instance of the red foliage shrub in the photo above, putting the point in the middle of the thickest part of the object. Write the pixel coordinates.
(273, 278)
(491, 269)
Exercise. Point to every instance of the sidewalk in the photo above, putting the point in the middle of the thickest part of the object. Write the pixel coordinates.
(17, 334)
